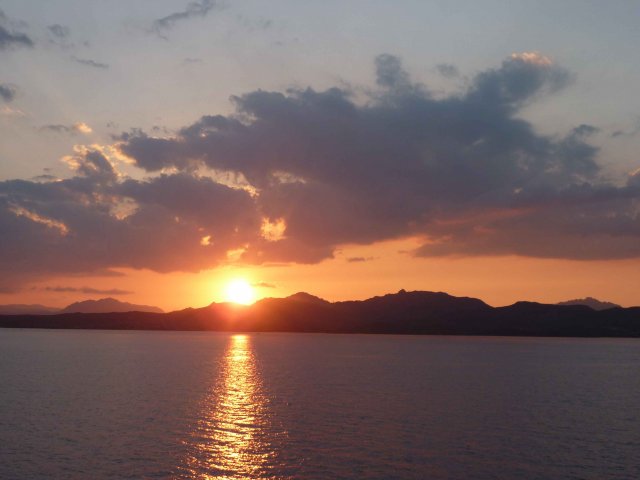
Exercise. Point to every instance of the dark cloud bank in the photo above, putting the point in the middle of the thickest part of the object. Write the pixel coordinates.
(462, 172)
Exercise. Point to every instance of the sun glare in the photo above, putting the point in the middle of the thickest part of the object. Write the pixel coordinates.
(239, 291)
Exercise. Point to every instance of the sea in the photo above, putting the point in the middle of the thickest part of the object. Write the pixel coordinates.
(86, 404)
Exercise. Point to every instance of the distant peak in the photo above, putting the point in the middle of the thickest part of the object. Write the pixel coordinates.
(107, 305)
(306, 297)
(591, 303)
(105, 300)
(418, 293)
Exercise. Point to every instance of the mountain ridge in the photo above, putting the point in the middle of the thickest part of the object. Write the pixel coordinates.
(107, 305)
(417, 312)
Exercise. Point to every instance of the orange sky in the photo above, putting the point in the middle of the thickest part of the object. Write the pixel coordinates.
(496, 280)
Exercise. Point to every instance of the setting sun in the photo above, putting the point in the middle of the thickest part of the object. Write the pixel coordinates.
(240, 291)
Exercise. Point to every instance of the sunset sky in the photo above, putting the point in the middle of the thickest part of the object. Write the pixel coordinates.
(156, 150)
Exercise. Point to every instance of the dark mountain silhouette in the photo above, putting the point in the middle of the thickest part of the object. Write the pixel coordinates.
(590, 302)
(34, 309)
(107, 305)
(433, 313)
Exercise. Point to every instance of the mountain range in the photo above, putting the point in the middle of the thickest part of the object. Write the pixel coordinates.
(433, 313)
(104, 305)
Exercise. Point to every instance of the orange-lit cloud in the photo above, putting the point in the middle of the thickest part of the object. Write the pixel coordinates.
(60, 227)
(273, 231)
(534, 58)
(78, 127)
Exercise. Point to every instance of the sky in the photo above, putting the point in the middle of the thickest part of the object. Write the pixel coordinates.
(154, 151)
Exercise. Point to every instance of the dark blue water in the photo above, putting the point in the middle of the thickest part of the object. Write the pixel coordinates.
(98, 405)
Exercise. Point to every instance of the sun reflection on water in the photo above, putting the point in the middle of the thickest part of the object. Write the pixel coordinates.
(232, 438)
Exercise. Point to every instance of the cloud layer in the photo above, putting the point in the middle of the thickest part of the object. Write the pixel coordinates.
(293, 175)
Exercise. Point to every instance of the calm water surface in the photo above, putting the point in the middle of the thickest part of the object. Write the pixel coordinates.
(99, 405)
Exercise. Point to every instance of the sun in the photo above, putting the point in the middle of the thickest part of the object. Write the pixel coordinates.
(239, 291)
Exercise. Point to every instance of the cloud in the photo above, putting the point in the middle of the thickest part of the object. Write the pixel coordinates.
(403, 163)
(11, 112)
(389, 72)
(253, 24)
(584, 130)
(359, 259)
(263, 285)
(193, 9)
(76, 128)
(10, 37)
(60, 32)
(630, 132)
(291, 176)
(45, 178)
(89, 290)
(520, 79)
(97, 220)
(8, 92)
(90, 63)
(60, 35)
(448, 70)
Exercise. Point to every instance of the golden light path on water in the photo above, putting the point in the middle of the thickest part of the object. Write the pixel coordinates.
(233, 433)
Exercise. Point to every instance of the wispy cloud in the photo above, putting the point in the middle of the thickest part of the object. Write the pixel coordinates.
(629, 132)
(359, 259)
(59, 31)
(253, 24)
(60, 35)
(46, 177)
(90, 63)
(448, 70)
(79, 127)
(90, 290)
(192, 10)
(263, 285)
(11, 112)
